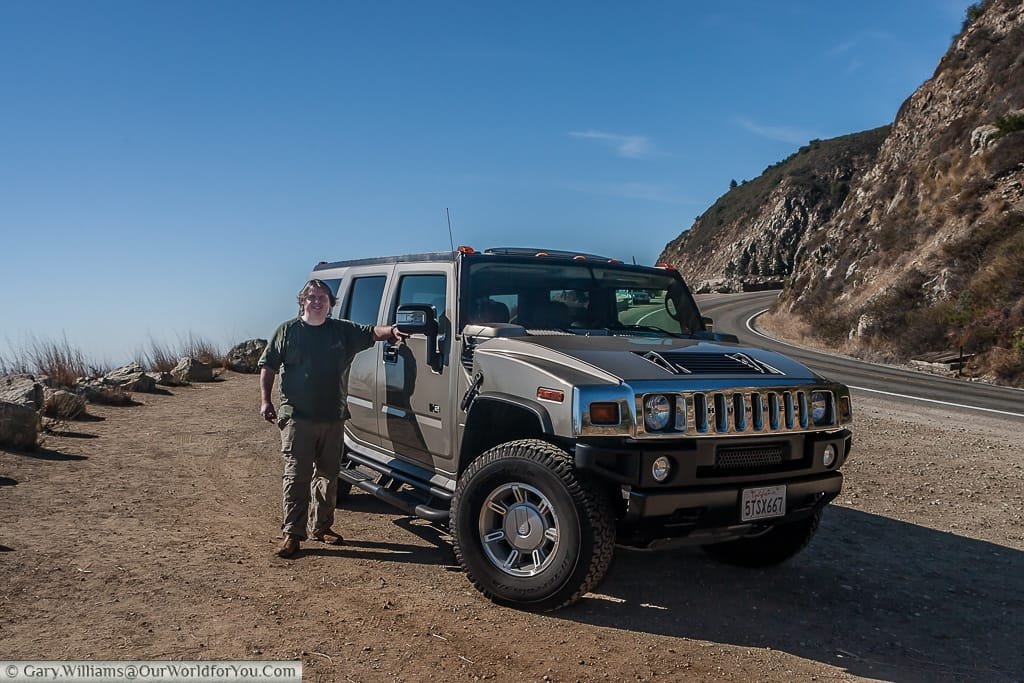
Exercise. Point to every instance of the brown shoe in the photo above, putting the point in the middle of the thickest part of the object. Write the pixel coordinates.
(289, 547)
(330, 537)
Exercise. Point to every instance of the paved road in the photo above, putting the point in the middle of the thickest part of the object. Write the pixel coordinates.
(733, 312)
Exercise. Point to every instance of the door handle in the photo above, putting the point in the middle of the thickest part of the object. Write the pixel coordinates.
(391, 353)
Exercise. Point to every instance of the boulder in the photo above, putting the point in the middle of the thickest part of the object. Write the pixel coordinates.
(244, 356)
(97, 390)
(131, 377)
(164, 379)
(190, 370)
(63, 405)
(19, 426)
(866, 325)
(982, 138)
(23, 390)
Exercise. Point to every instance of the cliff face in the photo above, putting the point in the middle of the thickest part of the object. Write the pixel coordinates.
(757, 228)
(926, 250)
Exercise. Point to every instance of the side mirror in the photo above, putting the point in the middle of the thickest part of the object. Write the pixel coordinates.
(417, 319)
(422, 319)
(709, 324)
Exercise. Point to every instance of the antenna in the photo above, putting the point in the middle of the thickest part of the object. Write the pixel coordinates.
(451, 240)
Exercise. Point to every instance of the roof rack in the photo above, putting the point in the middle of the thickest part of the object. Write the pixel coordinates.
(554, 253)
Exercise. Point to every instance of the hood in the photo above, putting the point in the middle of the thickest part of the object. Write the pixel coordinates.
(632, 358)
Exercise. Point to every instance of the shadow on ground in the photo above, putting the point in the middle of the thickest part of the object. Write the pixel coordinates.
(74, 435)
(45, 454)
(381, 552)
(875, 596)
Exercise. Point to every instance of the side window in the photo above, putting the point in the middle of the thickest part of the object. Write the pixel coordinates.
(364, 299)
(422, 289)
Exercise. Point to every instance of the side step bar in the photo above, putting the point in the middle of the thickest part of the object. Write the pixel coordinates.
(403, 500)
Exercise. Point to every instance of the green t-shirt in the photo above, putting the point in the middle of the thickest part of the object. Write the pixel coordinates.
(313, 361)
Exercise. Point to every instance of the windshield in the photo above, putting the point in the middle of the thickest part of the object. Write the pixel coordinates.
(583, 298)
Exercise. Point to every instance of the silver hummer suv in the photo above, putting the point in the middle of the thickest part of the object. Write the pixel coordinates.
(549, 405)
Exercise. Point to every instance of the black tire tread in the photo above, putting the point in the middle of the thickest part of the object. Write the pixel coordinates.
(592, 505)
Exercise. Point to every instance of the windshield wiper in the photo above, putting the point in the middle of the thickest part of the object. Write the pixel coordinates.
(644, 328)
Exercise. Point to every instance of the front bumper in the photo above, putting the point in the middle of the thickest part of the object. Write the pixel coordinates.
(713, 514)
(702, 497)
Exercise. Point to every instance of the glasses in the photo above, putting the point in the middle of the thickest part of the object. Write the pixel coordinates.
(312, 298)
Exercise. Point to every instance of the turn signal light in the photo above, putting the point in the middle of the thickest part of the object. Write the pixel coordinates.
(604, 413)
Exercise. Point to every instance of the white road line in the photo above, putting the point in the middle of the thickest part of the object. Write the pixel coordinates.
(645, 316)
(750, 327)
(944, 403)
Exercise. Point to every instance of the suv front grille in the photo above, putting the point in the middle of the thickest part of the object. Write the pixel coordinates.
(745, 411)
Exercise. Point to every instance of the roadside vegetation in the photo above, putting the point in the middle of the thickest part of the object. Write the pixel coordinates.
(64, 364)
(56, 359)
(159, 356)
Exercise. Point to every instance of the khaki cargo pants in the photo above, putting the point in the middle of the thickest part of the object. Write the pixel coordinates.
(312, 457)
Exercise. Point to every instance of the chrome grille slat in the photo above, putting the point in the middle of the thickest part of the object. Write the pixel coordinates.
(743, 411)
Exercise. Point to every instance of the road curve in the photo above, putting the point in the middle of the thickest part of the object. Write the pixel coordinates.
(733, 313)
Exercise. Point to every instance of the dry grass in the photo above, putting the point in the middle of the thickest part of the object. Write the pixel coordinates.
(58, 360)
(163, 357)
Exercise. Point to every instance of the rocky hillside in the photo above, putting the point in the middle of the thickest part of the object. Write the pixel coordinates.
(756, 228)
(905, 239)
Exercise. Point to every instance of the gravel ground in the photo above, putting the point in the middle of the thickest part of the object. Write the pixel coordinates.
(148, 533)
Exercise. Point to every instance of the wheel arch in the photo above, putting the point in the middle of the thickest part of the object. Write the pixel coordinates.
(495, 418)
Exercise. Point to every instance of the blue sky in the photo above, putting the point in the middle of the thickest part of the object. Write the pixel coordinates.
(176, 168)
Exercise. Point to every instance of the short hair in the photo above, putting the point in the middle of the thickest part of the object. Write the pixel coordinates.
(315, 284)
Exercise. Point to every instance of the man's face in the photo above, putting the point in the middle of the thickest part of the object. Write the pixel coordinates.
(316, 305)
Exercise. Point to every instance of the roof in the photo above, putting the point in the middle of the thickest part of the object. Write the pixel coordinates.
(441, 256)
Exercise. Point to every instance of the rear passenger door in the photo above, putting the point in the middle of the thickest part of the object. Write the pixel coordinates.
(416, 401)
(364, 304)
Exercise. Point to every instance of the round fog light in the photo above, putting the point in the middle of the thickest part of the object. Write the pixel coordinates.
(661, 468)
(828, 458)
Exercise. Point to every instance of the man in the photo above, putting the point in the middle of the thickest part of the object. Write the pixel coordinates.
(313, 353)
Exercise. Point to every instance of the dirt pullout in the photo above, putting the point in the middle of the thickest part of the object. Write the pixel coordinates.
(149, 534)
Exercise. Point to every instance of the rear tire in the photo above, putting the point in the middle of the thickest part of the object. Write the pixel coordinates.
(773, 547)
(528, 530)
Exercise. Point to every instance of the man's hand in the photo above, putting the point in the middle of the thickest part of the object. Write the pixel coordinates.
(267, 411)
(389, 333)
(397, 335)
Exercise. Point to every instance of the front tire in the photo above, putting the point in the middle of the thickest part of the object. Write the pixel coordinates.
(773, 547)
(529, 532)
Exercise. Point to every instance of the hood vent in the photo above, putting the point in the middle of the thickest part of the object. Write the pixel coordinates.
(709, 363)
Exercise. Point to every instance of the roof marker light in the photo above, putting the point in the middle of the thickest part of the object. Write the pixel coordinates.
(464, 249)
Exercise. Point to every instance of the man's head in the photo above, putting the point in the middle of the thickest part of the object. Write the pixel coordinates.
(315, 301)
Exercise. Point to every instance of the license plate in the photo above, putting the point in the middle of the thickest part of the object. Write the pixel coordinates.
(763, 503)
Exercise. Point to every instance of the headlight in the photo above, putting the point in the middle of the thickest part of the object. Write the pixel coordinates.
(821, 408)
(657, 412)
